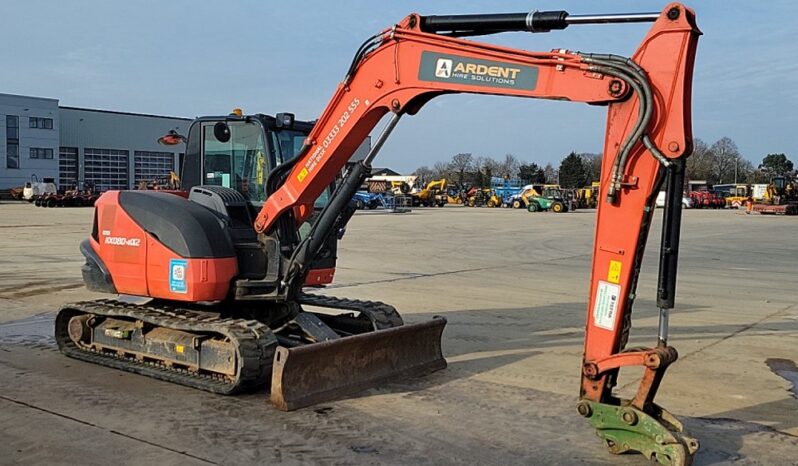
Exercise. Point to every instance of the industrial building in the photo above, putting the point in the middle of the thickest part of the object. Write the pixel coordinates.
(81, 146)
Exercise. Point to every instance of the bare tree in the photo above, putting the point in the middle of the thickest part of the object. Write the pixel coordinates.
(460, 165)
(424, 174)
(746, 172)
(440, 170)
(725, 160)
(484, 169)
(491, 167)
(699, 164)
(509, 167)
(552, 174)
(592, 164)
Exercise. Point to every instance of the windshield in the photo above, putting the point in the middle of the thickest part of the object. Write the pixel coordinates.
(243, 162)
(240, 163)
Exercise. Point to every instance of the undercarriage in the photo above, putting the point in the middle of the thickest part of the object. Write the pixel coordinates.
(229, 352)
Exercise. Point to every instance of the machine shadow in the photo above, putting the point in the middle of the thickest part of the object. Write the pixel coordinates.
(454, 371)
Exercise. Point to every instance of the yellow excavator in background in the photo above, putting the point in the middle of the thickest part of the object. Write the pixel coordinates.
(434, 194)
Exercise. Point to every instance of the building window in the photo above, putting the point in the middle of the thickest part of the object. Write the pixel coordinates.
(105, 168)
(12, 141)
(42, 123)
(41, 153)
(149, 166)
(12, 155)
(12, 127)
(68, 167)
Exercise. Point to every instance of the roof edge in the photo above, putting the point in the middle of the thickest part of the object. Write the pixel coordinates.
(115, 112)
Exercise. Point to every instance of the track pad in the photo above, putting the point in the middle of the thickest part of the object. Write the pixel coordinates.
(324, 371)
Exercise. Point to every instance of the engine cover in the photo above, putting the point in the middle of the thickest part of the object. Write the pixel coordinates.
(160, 245)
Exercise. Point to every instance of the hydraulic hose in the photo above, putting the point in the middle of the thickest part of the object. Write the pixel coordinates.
(634, 75)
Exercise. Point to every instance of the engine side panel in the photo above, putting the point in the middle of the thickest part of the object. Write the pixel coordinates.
(121, 245)
(170, 276)
(139, 264)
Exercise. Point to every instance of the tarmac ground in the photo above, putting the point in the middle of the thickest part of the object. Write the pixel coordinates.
(513, 286)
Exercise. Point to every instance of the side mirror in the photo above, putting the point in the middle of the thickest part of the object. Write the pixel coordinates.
(221, 131)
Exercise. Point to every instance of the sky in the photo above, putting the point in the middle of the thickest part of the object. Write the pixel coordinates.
(192, 58)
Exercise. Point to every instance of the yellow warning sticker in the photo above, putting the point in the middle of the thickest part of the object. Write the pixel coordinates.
(179, 348)
(614, 274)
(302, 175)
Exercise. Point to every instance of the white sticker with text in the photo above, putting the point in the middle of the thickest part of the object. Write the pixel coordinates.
(605, 308)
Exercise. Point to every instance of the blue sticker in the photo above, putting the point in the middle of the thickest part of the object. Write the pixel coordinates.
(177, 276)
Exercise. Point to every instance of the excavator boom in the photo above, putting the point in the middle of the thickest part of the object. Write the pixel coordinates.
(647, 139)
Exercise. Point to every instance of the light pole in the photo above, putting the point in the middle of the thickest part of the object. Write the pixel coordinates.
(736, 162)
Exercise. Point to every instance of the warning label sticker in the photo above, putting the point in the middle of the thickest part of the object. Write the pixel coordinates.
(302, 175)
(614, 273)
(606, 306)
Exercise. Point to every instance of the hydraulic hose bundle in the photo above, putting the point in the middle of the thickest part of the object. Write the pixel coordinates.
(632, 74)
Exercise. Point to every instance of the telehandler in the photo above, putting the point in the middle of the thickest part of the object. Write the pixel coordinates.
(224, 272)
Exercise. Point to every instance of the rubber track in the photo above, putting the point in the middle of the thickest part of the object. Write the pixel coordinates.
(381, 315)
(254, 340)
(255, 344)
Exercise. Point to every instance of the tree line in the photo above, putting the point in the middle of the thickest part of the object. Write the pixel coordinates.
(722, 163)
(718, 163)
(465, 169)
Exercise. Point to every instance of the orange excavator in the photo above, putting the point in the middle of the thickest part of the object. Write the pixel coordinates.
(215, 285)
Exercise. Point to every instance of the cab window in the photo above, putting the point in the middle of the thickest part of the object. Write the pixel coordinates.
(240, 163)
(287, 144)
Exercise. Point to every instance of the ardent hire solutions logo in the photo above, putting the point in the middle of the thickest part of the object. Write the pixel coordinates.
(443, 69)
(454, 69)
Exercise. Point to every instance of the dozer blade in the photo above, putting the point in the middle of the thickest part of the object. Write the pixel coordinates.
(310, 374)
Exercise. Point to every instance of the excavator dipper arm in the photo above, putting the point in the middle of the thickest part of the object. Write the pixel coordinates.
(648, 136)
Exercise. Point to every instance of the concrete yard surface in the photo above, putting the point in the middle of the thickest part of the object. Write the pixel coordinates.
(513, 286)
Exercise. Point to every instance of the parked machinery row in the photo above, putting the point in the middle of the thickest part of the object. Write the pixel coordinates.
(71, 198)
(780, 196)
(45, 193)
(533, 197)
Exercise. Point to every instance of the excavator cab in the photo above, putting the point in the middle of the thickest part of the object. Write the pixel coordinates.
(238, 152)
